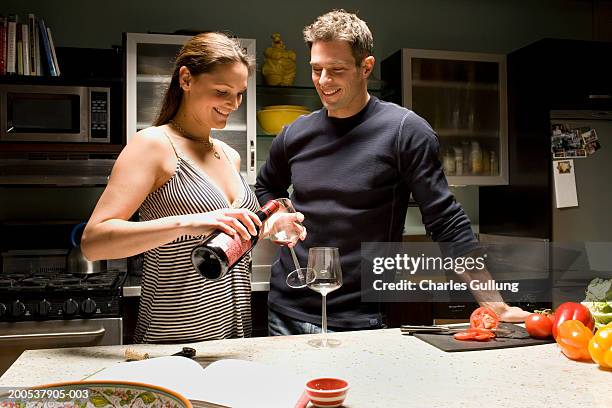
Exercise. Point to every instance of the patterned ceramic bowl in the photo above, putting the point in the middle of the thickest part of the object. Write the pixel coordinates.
(96, 394)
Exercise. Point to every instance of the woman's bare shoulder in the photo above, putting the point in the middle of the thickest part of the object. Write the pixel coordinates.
(152, 137)
(149, 147)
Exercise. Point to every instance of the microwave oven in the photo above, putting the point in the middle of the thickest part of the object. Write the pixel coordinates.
(53, 113)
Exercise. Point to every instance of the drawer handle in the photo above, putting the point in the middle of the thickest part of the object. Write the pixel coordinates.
(92, 333)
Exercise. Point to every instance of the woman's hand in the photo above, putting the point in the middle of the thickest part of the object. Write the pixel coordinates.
(228, 220)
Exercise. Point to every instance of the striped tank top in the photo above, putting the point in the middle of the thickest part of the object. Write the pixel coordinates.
(177, 304)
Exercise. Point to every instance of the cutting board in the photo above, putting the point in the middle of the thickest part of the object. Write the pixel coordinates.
(518, 338)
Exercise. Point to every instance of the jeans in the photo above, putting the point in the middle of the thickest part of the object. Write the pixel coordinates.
(283, 325)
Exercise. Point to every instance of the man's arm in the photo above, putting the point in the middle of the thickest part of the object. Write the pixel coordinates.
(419, 164)
(274, 178)
(443, 217)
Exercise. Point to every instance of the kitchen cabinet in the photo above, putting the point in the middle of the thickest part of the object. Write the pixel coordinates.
(148, 70)
(463, 97)
(281, 95)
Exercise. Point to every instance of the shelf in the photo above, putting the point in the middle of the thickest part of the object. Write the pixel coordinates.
(471, 86)
(473, 180)
(61, 80)
(450, 132)
(158, 79)
(297, 88)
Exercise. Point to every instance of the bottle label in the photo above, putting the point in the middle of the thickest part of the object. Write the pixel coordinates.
(268, 209)
(234, 247)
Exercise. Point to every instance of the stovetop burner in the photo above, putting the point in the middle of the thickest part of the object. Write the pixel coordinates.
(58, 295)
(35, 286)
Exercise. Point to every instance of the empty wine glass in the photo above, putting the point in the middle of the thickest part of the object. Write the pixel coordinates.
(324, 275)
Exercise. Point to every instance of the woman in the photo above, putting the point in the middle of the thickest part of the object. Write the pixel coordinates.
(184, 184)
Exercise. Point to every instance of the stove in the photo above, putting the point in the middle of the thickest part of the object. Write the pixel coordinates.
(35, 287)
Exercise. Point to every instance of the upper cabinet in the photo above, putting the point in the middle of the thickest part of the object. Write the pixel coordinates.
(149, 64)
(463, 97)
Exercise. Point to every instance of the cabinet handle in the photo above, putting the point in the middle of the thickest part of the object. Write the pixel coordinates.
(592, 96)
(252, 151)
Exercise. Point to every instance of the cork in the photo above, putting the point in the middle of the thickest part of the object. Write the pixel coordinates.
(133, 355)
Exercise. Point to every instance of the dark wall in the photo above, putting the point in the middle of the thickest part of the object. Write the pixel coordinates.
(497, 26)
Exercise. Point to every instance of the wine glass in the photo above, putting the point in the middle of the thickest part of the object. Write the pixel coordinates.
(324, 275)
(285, 230)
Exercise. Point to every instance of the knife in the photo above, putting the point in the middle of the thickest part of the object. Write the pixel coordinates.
(410, 329)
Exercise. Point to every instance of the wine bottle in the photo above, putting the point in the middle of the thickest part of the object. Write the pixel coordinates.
(219, 253)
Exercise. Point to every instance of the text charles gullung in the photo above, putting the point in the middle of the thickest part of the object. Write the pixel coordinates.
(429, 285)
(412, 265)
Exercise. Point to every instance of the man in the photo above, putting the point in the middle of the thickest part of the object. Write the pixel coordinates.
(353, 165)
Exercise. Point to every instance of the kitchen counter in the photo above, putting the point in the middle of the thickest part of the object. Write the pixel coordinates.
(383, 367)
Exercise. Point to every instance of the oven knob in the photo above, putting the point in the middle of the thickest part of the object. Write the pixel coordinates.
(88, 307)
(2, 309)
(17, 309)
(70, 307)
(42, 308)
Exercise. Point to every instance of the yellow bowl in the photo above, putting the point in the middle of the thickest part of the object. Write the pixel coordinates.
(273, 120)
(292, 107)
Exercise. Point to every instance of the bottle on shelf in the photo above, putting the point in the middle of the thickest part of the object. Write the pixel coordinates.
(467, 164)
(219, 253)
(458, 161)
(448, 161)
(486, 162)
(476, 158)
(493, 163)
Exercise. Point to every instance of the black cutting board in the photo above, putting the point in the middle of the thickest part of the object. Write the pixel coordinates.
(518, 338)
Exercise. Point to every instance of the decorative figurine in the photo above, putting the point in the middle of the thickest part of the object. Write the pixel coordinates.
(279, 63)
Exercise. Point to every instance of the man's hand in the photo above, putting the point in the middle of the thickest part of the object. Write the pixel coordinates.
(510, 314)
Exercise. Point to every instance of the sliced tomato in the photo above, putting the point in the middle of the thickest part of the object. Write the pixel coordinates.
(482, 337)
(484, 318)
(464, 335)
(474, 334)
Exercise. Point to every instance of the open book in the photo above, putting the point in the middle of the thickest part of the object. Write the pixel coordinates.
(224, 383)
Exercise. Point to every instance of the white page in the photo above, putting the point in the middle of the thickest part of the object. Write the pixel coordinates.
(565, 183)
(232, 383)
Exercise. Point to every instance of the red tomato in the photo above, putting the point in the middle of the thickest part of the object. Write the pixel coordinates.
(484, 318)
(474, 334)
(464, 336)
(539, 325)
(572, 311)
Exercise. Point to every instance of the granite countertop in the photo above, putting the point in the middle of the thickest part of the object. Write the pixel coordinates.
(384, 368)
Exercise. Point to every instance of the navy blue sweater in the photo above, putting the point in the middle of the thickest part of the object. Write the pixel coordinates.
(352, 179)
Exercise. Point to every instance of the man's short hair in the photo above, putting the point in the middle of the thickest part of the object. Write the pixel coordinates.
(342, 25)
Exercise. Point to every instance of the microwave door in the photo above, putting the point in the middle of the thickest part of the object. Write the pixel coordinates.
(44, 114)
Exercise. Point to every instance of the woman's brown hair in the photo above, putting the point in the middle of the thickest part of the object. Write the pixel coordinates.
(201, 54)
